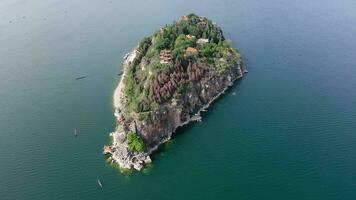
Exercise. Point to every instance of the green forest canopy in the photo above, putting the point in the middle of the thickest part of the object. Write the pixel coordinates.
(146, 82)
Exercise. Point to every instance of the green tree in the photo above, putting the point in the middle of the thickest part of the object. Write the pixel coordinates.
(162, 43)
(135, 143)
(183, 42)
(204, 35)
(145, 44)
(207, 50)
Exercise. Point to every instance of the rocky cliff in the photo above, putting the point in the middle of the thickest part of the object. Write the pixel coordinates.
(171, 96)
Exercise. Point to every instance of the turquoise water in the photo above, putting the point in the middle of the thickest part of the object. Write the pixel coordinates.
(285, 131)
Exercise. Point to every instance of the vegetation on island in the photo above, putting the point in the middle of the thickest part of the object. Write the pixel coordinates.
(170, 61)
(135, 143)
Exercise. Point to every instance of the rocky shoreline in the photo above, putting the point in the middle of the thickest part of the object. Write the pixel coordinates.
(119, 147)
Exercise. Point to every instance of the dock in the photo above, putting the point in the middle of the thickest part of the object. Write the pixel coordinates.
(107, 150)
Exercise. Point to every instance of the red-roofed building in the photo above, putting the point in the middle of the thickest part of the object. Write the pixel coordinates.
(165, 56)
(191, 50)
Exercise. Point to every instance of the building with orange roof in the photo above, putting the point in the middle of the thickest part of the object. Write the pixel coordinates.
(184, 18)
(191, 50)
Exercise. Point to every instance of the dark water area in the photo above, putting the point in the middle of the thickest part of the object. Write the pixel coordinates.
(285, 131)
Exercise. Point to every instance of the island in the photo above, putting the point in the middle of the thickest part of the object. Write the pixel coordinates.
(166, 81)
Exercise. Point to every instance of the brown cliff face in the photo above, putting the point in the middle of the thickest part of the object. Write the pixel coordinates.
(159, 125)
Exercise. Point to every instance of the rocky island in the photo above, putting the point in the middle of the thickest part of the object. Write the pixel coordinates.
(167, 80)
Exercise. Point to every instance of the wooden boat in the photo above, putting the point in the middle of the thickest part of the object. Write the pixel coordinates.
(99, 182)
(81, 77)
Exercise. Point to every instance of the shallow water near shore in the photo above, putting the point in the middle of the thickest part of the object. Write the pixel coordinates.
(287, 133)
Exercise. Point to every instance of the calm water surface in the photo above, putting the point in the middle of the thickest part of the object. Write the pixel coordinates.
(286, 131)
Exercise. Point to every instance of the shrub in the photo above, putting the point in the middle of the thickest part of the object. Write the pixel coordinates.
(207, 50)
(144, 116)
(129, 84)
(135, 143)
(183, 42)
(162, 43)
(145, 44)
(221, 66)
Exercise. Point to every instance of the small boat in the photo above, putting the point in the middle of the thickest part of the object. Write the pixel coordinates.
(81, 77)
(245, 71)
(120, 73)
(75, 132)
(99, 183)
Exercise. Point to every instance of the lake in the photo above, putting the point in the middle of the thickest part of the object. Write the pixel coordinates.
(287, 130)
